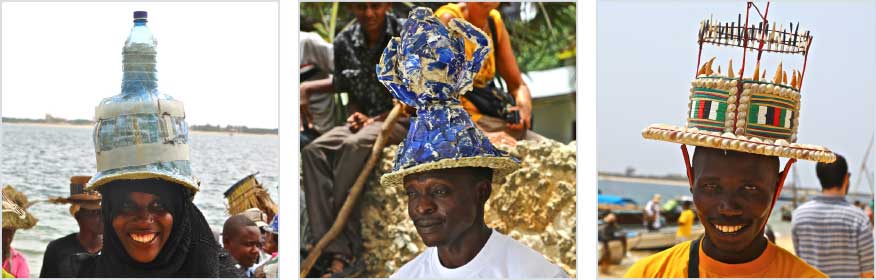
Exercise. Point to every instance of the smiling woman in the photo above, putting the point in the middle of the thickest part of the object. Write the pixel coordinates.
(153, 230)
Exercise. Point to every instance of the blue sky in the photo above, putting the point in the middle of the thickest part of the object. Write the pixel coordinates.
(646, 58)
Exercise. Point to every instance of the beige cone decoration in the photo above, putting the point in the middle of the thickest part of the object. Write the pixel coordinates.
(777, 78)
(757, 71)
(730, 73)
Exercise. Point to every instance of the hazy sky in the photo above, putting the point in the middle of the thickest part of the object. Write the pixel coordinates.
(647, 55)
(220, 59)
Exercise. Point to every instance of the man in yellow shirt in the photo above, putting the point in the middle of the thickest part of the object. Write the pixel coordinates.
(685, 222)
(733, 192)
(740, 126)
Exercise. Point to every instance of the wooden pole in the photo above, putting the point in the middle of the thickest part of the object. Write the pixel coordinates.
(344, 213)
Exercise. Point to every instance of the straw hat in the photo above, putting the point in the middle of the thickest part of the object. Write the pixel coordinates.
(427, 68)
(80, 198)
(141, 133)
(15, 213)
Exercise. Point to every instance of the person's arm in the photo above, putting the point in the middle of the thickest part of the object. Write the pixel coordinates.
(510, 72)
(865, 249)
(307, 89)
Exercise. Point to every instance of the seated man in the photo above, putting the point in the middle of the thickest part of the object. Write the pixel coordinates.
(242, 239)
(85, 208)
(446, 165)
(502, 125)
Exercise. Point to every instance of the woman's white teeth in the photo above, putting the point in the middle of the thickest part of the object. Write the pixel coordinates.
(728, 229)
(143, 238)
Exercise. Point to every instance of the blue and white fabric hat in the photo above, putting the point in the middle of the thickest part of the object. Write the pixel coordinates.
(141, 133)
(427, 69)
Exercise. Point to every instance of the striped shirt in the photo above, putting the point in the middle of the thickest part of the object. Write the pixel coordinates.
(833, 236)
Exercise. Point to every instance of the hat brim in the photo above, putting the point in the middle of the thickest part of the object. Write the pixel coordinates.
(502, 166)
(91, 205)
(100, 179)
(12, 220)
(740, 143)
(84, 198)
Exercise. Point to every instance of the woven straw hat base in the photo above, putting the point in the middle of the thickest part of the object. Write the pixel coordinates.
(102, 180)
(741, 143)
(501, 166)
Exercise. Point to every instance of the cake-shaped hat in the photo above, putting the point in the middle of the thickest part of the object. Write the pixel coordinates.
(746, 111)
(141, 133)
(427, 69)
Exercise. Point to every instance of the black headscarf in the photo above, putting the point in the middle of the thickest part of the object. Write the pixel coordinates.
(190, 251)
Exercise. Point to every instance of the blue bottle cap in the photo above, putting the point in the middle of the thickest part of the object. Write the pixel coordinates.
(140, 15)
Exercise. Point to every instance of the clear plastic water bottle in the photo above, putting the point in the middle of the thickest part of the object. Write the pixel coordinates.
(140, 74)
(141, 114)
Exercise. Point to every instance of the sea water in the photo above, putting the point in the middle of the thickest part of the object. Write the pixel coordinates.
(39, 160)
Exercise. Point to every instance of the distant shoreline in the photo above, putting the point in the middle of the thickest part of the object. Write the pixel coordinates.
(62, 125)
(643, 180)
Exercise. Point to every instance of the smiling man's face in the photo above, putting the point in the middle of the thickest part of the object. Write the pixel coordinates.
(444, 203)
(733, 192)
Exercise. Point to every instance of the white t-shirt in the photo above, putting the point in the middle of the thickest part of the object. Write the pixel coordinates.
(501, 257)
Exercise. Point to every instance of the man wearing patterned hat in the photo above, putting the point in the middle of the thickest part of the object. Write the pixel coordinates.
(446, 166)
(740, 127)
(85, 208)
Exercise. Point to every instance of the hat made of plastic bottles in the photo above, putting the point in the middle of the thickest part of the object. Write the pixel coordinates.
(141, 133)
(427, 68)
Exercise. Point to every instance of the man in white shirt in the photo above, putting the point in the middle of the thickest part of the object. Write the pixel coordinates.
(652, 213)
(447, 207)
(446, 166)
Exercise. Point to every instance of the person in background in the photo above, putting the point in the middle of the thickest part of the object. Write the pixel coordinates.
(869, 212)
(85, 208)
(499, 124)
(261, 221)
(652, 213)
(685, 222)
(269, 268)
(831, 234)
(332, 162)
(242, 239)
(608, 231)
(318, 110)
(15, 217)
